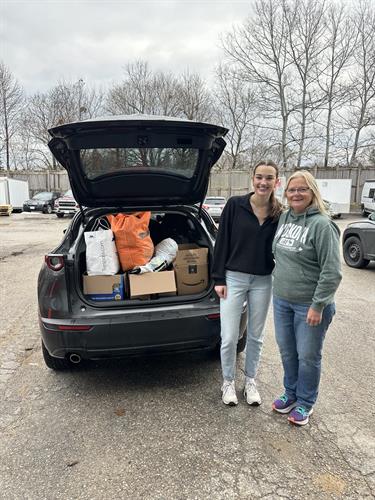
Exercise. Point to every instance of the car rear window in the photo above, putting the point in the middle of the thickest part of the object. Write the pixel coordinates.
(98, 162)
(42, 196)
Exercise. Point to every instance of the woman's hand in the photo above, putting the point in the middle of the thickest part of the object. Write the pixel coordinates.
(313, 317)
(221, 290)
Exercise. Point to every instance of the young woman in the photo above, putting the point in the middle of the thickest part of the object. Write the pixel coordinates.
(306, 276)
(242, 269)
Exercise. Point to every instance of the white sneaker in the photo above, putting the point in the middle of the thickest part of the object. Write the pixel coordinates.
(251, 393)
(229, 396)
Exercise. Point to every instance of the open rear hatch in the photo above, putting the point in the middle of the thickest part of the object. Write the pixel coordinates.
(138, 160)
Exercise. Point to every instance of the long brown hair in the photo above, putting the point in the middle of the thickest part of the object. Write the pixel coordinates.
(276, 206)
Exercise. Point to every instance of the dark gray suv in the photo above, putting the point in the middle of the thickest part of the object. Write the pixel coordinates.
(358, 242)
(127, 164)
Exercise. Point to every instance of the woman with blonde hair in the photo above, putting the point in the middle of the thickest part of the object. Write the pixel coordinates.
(306, 277)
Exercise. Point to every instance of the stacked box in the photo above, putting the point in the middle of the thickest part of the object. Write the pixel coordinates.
(191, 268)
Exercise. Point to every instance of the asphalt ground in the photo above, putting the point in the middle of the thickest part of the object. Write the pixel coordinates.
(155, 428)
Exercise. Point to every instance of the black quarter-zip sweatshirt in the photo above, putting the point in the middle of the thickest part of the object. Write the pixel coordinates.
(242, 244)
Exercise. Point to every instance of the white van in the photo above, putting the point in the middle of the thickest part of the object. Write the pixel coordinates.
(368, 197)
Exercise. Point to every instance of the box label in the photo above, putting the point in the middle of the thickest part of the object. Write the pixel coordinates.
(104, 287)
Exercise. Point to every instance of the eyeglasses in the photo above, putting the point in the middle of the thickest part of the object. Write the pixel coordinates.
(297, 190)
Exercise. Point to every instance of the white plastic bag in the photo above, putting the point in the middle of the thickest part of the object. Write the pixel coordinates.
(101, 253)
(165, 253)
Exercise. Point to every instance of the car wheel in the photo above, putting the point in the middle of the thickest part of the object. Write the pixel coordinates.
(364, 212)
(242, 343)
(49, 209)
(353, 253)
(60, 216)
(56, 364)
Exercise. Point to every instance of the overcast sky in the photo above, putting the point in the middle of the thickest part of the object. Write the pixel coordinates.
(45, 41)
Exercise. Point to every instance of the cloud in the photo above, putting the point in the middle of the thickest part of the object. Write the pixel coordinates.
(43, 42)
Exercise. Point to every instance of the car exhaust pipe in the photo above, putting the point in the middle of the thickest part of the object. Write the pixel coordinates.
(75, 358)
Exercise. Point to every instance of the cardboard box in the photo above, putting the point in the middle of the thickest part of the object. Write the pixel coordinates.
(144, 285)
(104, 287)
(191, 267)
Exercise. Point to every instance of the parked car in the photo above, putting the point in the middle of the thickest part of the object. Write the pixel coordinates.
(41, 202)
(124, 165)
(214, 205)
(66, 205)
(333, 209)
(359, 242)
(368, 197)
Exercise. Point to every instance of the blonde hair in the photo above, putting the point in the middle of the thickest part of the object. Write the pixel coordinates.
(317, 200)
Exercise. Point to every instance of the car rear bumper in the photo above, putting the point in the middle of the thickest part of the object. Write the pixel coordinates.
(33, 209)
(112, 339)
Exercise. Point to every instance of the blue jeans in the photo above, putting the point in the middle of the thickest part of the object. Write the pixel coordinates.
(300, 348)
(256, 291)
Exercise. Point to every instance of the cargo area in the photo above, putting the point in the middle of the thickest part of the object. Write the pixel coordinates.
(186, 277)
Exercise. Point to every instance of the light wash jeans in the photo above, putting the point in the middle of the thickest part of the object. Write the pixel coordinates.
(300, 347)
(256, 291)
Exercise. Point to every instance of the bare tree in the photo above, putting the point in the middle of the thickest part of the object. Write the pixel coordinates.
(340, 43)
(236, 109)
(361, 114)
(144, 92)
(193, 99)
(260, 50)
(64, 103)
(11, 102)
(133, 95)
(305, 31)
(157, 93)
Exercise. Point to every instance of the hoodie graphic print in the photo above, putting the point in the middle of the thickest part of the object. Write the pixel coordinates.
(307, 258)
(292, 236)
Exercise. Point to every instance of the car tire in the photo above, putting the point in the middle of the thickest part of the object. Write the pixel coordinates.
(353, 253)
(364, 212)
(242, 343)
(60, 216)
(56, 364)
(49, 209)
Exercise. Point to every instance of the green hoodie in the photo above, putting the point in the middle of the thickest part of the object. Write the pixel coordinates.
(307, 255)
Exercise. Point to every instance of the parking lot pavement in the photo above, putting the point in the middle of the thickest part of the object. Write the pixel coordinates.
(155, 428)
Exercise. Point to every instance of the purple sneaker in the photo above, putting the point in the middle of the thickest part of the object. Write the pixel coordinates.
(283, 404)
(300, 416)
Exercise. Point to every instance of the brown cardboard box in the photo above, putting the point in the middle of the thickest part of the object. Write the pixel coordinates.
(191, 269)
(104, 287)
(142, 285)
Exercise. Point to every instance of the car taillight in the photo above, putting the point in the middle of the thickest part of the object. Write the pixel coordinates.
(54, 262)
(213, 316)
(77, 328)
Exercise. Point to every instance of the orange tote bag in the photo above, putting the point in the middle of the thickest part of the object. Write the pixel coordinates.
(132, 237)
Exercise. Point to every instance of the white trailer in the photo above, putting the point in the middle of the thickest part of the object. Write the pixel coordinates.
(337, 192)
(13, 193)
